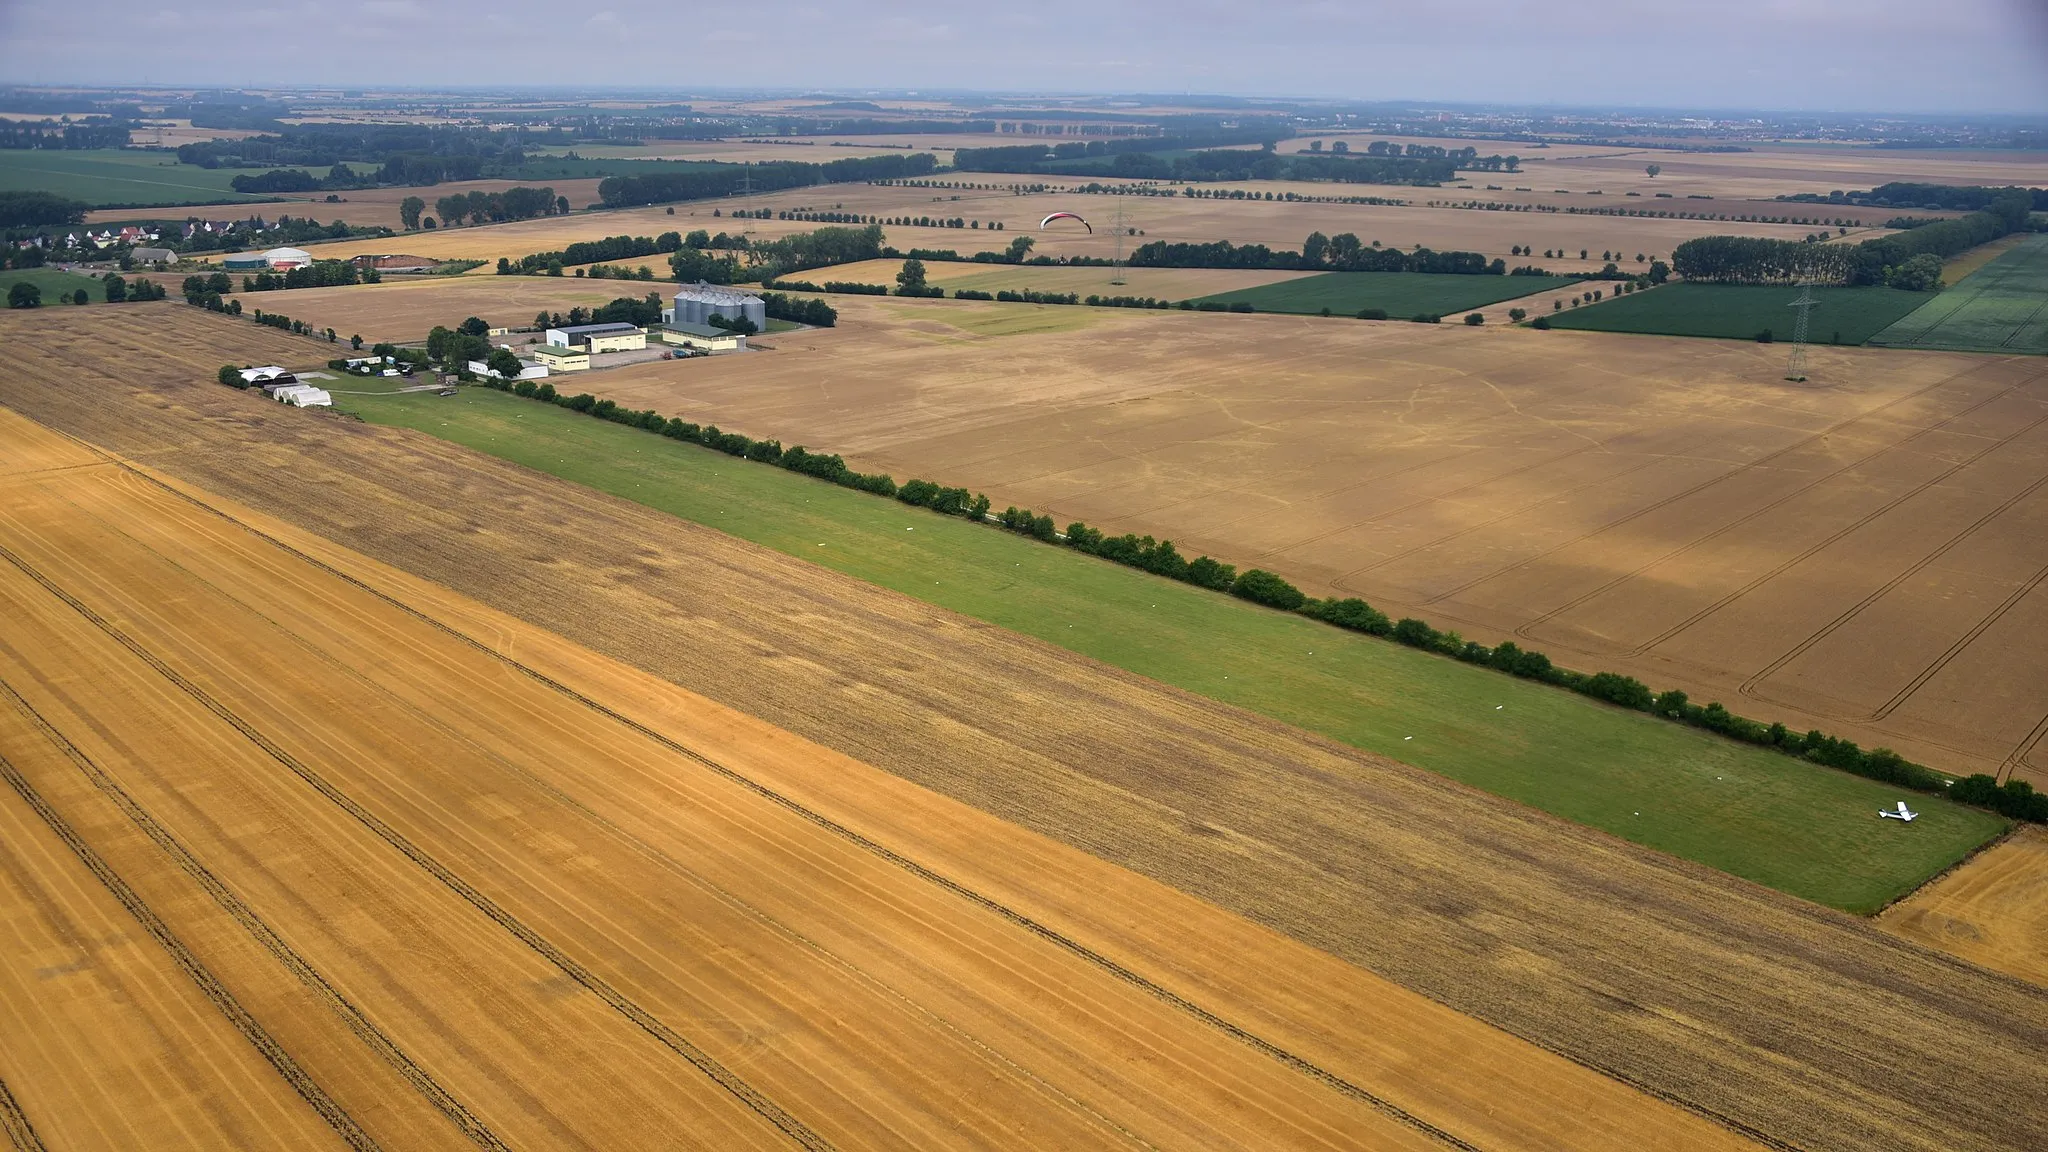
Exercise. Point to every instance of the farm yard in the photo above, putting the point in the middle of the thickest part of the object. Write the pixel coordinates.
(1991, 911)
(401, 310)
(1398, 294)
(1847, 316)
(1999, 307)
(1578, 495)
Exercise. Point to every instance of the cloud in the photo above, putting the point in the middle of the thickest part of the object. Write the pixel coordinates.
(1878, 55)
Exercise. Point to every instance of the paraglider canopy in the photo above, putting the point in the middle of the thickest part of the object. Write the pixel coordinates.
(1067, 216)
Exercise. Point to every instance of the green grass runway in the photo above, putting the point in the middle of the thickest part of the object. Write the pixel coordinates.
(1785, 823)
(1401, 294)
(1740, 311)
(2002, 307)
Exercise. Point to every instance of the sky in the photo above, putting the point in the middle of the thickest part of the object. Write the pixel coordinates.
(1936, 56)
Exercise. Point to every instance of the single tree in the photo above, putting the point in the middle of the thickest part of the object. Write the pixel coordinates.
(355, 343)
(562, 205)
(409, 210)
(910, 281)
(117, 289)
(427, 222)
(504, 363)
(330, 335)
(1653, 170)
(475, 326)
(1474, 319)
(80, 297)
(24, 295)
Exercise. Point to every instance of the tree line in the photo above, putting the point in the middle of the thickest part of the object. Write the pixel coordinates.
(98, 132)
(318, 274)
(1952, 197)
(40, 210)
(1910, 260)
(727, 179)
(1341, 253)
(2016, 799)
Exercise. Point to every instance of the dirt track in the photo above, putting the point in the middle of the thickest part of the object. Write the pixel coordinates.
(1822, 1031)
(565, 902)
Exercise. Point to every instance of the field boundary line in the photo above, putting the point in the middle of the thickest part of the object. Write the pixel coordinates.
(647, 1021)
(570, 967)
(208, 984)
(663, 859)
(366, 1031)
(1803, 442)
(14, 1122)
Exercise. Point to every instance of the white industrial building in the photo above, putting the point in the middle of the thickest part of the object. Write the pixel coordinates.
(698, 303)
(599, 337)
(526, 371)
(281, 259)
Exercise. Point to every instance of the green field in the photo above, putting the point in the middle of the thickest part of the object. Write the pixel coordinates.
(1792, 825)
(1740, 311)
(113, 177)
(2002, 307)
(1401, 294)
(52, 281)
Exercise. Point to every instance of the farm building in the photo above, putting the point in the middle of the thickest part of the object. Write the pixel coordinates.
(303, 396)
(281, 259)
(599, 337)
(559, 359)
(526, 371)
(698, 303)
(704, 338)
(153, 256)
(264, 375)
(245, 262)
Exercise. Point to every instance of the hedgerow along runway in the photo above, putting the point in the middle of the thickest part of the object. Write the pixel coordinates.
(1866, 553)
(453, 878)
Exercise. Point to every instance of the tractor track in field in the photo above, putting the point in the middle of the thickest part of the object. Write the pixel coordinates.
(202, 977)
(353, 1017)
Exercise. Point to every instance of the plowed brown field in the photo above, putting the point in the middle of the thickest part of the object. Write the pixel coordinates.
(560, 901)
(1867, 556)
(1993, 910)
(1808, 1028)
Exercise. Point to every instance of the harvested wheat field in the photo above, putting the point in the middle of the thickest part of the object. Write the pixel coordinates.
(448, 890)
(1275, 223)
(1864, 554)
(1991, 911)
(1802, 1026)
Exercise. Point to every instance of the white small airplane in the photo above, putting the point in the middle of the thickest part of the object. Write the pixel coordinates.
(1904, 813)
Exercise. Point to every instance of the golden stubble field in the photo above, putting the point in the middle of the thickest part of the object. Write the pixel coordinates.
(1993, 910)
(1274, 223)
(1778, 1017)
(449, 875)
(1867, 554)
